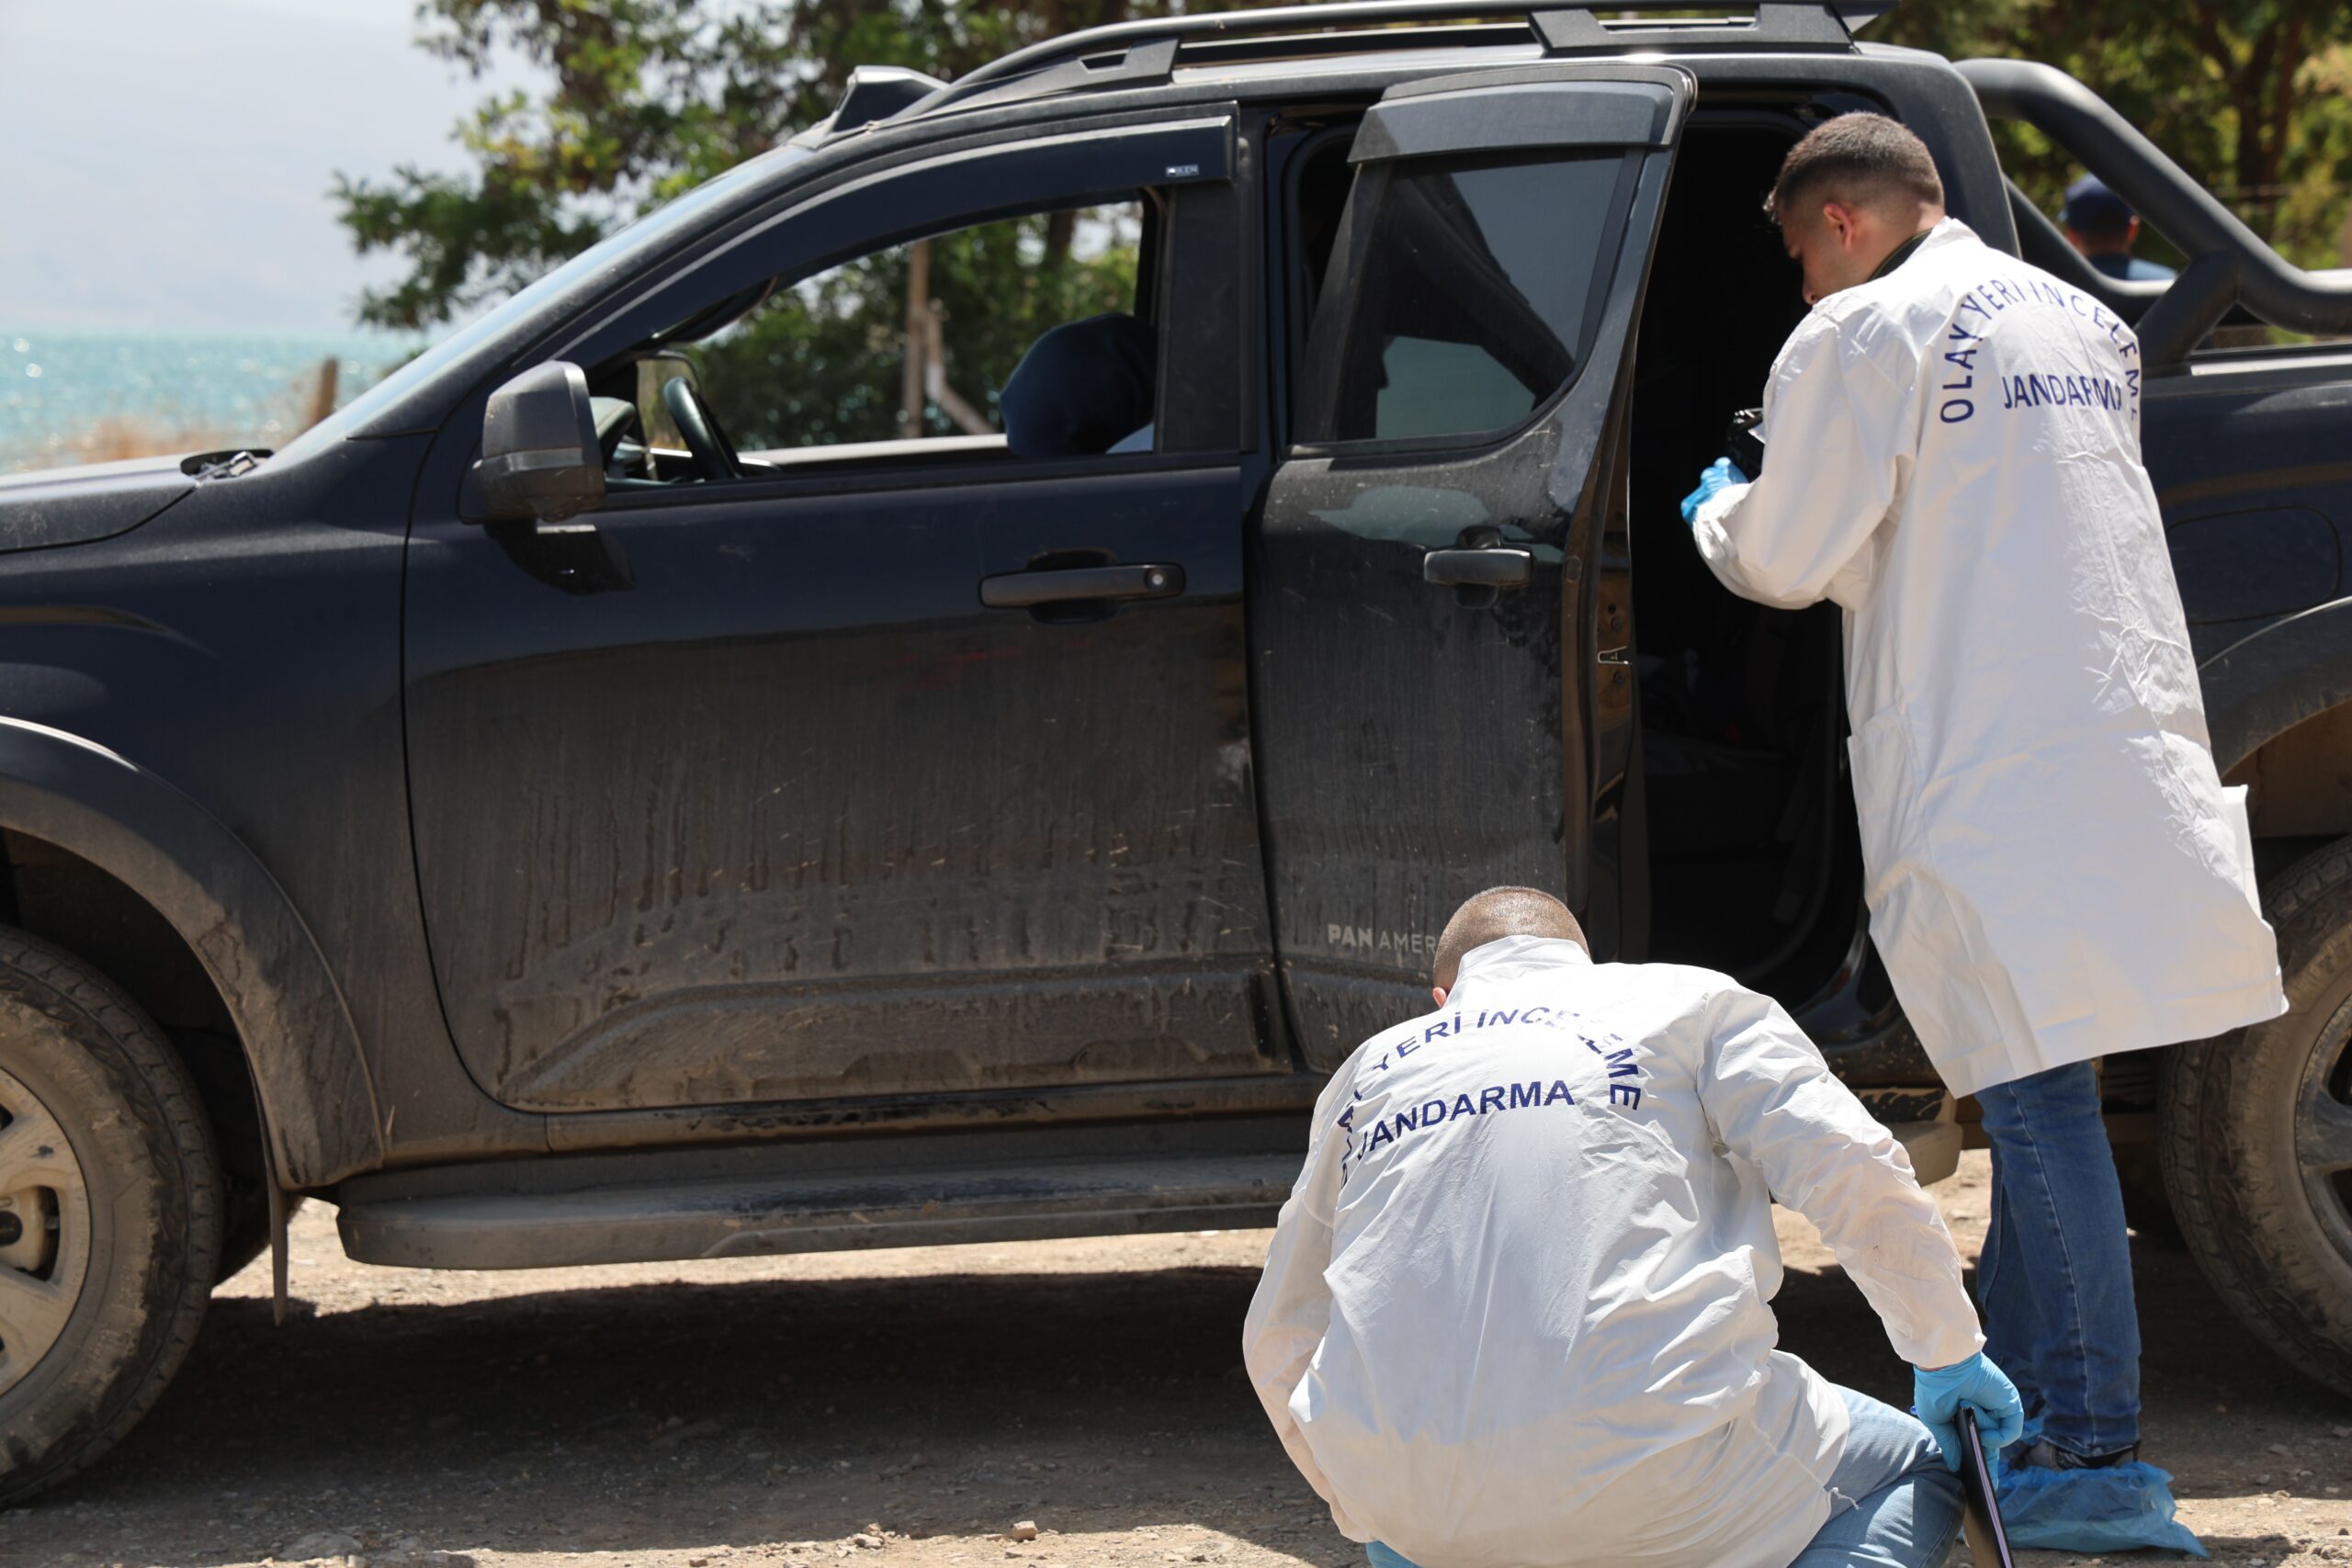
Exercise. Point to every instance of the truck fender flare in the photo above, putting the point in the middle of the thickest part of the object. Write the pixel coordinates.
(2289, 671)
(318, 1103)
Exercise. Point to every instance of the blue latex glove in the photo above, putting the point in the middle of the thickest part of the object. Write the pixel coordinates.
(1982, 1387)
(1716, 476)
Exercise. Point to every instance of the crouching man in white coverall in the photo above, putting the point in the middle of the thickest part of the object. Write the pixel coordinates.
(2053, 870)
(1514, 1312)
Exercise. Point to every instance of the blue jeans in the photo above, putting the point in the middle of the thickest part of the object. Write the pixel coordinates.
(1893, 1503)
(2056, 1274)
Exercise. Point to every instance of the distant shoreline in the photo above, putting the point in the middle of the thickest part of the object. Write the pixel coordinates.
(90, 394)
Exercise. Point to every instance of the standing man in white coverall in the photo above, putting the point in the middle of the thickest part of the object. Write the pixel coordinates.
(2053, 870)
(1514, 1312)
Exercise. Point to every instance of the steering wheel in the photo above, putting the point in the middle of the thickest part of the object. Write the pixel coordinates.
(714, 456)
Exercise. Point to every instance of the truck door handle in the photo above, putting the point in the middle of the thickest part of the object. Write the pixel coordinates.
(1493, 566)
(1025, 590)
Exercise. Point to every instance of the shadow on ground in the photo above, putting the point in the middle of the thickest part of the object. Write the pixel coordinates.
(679, 1415)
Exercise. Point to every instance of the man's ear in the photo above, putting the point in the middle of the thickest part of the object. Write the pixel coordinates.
(1437, 994)
(1840, 220)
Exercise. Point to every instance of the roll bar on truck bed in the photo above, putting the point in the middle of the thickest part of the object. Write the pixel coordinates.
(2229, 266)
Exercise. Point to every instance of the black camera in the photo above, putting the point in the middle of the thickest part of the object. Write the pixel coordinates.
(1742, 445)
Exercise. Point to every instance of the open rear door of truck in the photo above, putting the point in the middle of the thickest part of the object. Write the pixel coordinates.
(1443, 686)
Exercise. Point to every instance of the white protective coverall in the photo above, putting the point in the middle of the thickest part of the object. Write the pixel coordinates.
(2052, 867)
(1514, 1312)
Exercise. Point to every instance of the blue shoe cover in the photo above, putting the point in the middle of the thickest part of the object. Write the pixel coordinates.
(2118, 1508)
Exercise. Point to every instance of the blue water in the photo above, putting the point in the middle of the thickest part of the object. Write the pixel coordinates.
(68, 396)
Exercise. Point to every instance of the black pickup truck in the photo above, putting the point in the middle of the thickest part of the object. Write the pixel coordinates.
(589, 800)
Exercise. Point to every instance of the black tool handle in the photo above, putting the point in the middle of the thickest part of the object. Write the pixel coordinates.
(1988, 1540)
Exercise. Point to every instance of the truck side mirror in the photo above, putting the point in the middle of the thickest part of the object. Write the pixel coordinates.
(540, 458)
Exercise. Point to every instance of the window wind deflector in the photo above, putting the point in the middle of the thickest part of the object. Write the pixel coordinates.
(1470, 115)
(725, 313)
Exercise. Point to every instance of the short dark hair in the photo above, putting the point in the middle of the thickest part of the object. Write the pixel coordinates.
(1856, 158)
(1495, 914)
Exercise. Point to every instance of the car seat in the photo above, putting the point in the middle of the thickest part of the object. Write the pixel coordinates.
(1081, 386)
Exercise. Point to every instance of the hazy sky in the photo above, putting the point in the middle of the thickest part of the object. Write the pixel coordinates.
(168, 162)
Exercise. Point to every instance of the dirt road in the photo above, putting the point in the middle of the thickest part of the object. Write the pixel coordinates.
(754, 1415)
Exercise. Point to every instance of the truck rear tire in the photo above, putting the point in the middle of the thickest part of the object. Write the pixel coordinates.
(109, 1214)
(2255, 1136)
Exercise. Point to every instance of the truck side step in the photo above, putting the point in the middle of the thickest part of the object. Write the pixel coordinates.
(743, 1214)
(739, 1203)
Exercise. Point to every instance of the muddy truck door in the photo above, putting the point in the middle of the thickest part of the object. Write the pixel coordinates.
(867, 761)
(1443, 684)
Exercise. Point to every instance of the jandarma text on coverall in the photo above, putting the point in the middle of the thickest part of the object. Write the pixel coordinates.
(1534, 1094)
(2037, 392)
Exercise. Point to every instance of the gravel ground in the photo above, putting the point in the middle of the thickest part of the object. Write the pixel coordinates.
(913, 1407)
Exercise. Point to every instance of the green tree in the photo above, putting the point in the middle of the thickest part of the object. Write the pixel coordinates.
(2248, 96)
(646, 99)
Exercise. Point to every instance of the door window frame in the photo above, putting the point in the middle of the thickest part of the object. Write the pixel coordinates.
(1637, 108)
(1187, 154)
(1343, 282)
(1285, 268)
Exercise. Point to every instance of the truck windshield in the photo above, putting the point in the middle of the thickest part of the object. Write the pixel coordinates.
(649, 232)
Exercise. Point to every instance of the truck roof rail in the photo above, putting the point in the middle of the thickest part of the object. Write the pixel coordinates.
(1125, 53)
(2228, 263)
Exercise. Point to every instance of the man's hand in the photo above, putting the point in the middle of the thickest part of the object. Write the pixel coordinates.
(1718, 475)
(1980, 1386)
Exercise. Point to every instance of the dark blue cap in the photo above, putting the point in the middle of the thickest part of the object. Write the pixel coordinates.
(2092, 209)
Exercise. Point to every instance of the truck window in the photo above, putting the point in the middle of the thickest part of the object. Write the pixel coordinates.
(1469, 306)
(906, 352)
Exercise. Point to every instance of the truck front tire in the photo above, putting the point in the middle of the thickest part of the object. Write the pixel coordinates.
(2255, 1136)
(109, 1214)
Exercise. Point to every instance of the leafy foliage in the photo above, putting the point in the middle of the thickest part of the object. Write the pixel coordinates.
(649, 97)
(2250, 96)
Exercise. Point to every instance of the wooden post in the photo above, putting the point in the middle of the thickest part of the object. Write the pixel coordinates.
(322, 392)
(968, 420)
(917, 340)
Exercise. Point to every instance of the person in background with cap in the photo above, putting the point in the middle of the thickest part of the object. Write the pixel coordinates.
(2104, 228)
